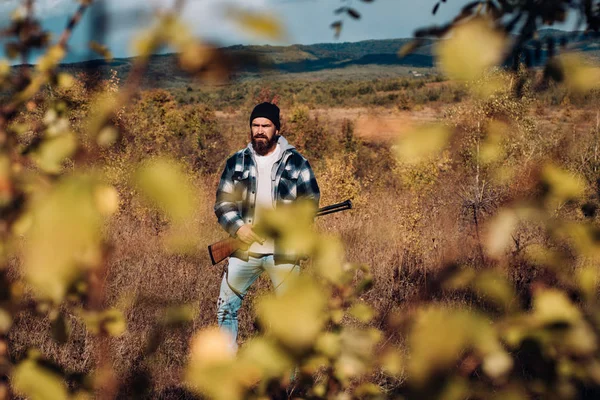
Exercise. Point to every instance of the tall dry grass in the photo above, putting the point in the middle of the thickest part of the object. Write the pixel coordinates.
(407, 221)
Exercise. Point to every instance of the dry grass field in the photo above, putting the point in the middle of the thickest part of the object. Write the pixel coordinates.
(407, 223)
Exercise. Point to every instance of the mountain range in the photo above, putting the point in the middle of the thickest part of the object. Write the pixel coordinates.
(257, 61)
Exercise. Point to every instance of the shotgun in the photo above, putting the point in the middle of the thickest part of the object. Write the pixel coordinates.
(224, 248)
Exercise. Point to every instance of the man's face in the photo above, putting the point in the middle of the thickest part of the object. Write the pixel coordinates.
(263, 135)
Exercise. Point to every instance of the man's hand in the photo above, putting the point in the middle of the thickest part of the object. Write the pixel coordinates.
(248, 236)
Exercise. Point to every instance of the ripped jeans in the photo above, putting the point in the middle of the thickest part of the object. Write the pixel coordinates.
(238, 278)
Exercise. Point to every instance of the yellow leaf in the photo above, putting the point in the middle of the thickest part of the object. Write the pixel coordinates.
(5, 321)
(392, 362)
(579, 75)
(422, 143)
(181, 314)
(211, 346)
(587, 277)
(408, 48)
(269, 358)
(292, 225)
(51, 59)
(4, 69)
(328, 258)
(491, 148)
(495, 288)
(145, 43)
(367, 390)
(552, 306)
(194, 56)
(65, 80)
(107, 199)
(362, 312)
(499, 234)
(581, 340)
(329, 344)
(113, 322)
(110, 321)
(497, 364)
(471, 48)
(211, 368)
(107, 136)
(101, 50)
(64, 238)
(490, 84)
(562, 185)
(432, 352)
(176, 33)
(164, 183)
(53, 152)
(295, 317)
(37, 383)
(258, 23)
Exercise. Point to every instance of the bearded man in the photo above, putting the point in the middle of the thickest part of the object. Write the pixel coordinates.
(267, 173)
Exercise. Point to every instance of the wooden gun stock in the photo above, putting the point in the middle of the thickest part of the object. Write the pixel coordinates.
(224, 248)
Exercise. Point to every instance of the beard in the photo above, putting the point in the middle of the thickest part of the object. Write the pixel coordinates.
(262, 145)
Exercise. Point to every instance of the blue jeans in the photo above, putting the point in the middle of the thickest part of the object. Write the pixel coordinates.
(240, 275)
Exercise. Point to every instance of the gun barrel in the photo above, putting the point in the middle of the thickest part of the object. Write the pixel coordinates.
(345, 205)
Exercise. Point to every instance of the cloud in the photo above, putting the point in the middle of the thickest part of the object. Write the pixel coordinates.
(41, 7)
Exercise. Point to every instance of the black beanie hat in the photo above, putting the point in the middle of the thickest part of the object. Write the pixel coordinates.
(266, 110)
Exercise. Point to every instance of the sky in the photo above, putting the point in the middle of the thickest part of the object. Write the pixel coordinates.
(306, 21)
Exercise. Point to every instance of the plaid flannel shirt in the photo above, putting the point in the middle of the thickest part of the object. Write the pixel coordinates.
(292, 179)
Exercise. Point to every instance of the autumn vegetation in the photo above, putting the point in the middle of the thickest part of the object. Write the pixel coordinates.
(468, 268)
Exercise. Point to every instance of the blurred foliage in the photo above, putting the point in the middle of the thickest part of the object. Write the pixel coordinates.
(74, 151)
(518, 23)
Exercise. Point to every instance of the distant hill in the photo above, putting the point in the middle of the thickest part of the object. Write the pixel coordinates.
(256, 61)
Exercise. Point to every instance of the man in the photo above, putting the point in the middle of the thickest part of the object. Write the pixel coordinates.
(267, 173)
